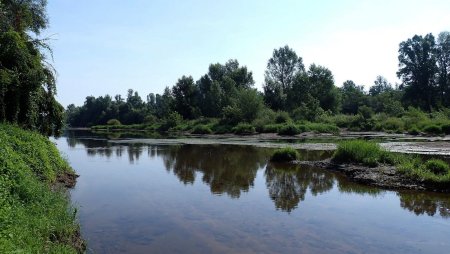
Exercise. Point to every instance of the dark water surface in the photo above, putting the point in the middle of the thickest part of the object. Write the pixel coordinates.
(135, 198)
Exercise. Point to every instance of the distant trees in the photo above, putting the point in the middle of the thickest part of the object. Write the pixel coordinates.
(226, 92)
(443, 63)
(27, 81)
(288, 86)
(352, 97)
(425, 70)
(418, 69)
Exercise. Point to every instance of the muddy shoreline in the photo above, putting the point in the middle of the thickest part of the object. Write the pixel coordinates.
(64, 182)
(382, 176)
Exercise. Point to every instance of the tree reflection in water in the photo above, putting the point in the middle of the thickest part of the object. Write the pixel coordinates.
(425, 203)
(287, 184)
(225, 168)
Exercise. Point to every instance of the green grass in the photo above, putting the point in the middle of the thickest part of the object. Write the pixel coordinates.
(284, 155)
(360, 151)
(434, 172)
(33, 218)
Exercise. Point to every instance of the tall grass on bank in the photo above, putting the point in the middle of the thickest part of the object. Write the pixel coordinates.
(284, 155)
(33, 218)
(433, 171)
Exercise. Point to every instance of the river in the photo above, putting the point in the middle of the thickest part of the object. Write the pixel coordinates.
(226, 198)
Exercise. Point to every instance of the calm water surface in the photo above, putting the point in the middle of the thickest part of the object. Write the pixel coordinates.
(134, 198)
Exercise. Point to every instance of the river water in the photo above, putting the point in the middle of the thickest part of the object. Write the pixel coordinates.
(223, 198)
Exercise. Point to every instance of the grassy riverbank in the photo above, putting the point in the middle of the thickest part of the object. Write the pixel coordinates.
(433, 172)
(35, 214)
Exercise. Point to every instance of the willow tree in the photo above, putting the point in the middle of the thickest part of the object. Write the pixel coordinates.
(27, 81)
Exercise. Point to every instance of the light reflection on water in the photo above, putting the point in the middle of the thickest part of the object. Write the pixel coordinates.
(227, 199)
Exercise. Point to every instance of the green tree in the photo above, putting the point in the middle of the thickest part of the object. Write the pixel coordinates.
(27, 82)
(322, 87)
(443, 62)
(380, 85)
(418, 69)
(185, 95)
(245, 106)
(164, 103)
(281, 71)
(352, 97)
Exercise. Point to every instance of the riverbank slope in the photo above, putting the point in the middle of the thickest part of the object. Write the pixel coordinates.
(35, 212)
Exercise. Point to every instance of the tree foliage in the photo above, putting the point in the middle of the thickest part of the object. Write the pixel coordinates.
(282, 69)
(27, 81)
(417, 57)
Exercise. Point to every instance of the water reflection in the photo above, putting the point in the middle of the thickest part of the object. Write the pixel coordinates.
(425, 203)
(232, 169)
(226, 169)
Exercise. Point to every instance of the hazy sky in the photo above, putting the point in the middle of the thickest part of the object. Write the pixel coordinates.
(108, 46)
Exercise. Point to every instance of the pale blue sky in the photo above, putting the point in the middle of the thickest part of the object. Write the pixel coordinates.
(108, 46)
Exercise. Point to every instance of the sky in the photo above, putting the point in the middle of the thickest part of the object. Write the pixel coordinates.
(109, 46)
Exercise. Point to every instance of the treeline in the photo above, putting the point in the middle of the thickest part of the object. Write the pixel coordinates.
(27, 81)
(290, 92)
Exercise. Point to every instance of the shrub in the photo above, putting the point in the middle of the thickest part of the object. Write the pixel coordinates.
(282, 117)
(393, 124)
(201, 129)
(323, 128)
(437, 167)
(271, 128)
(150, 119)
(446, 128)
(284, 155)
(414, 130)
(341, 120)
(172, 120)
(222, 129)
(432, 129)
(113, 122)
(244, 128)
(289, 129)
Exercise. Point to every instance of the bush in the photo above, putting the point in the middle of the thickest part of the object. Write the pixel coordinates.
(393, 124)
(341, 120)
(244, 129)
(323, 128)
(282, 117)
(437, 167)
(284, 155)
(150, 119)
(289, 130)
(172, 120)
(271, 128)
(222, 129)
(414, 130)
(446, 128)
(113, 122)
(201, 129)
(432, 129)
